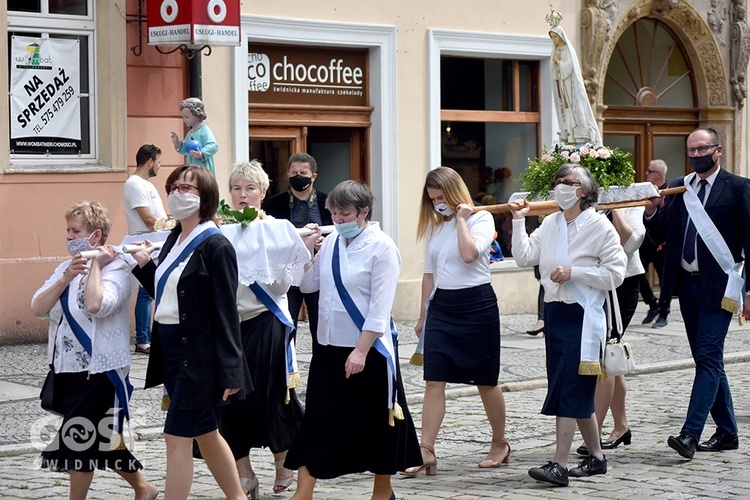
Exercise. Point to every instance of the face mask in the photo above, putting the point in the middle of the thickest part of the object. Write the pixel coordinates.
(300, 182)
(443, 209)
(566, 196)
(701, 164)
(348, 229)
(183, 206)
(79, 245)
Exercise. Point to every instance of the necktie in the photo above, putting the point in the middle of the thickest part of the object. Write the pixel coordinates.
(688, 251)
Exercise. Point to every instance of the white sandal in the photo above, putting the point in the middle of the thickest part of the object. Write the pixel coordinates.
(280, 485)
(250, 486)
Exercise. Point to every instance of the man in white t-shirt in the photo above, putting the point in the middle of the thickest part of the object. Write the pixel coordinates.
(143, 207)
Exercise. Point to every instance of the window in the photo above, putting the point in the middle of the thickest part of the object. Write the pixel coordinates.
(490, 124)
(57, 123)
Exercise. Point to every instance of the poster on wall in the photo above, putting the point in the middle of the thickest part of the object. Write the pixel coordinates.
(45, 108)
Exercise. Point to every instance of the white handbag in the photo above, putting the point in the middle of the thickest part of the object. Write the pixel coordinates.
(618, 355)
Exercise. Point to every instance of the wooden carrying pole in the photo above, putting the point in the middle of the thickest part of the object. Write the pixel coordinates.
(550, 206)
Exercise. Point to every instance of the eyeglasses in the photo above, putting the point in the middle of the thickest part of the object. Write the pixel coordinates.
(566, 182)
(182, 188)
(649, 171)
(700, 150)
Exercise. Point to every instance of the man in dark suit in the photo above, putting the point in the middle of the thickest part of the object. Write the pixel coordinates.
(694, 273)
(301, 205)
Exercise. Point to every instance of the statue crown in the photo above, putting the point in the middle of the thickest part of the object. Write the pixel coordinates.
(554, 17)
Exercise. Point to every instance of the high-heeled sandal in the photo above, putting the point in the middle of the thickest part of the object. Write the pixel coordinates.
(250, 486)
(429, 468)
(280, 485)
(492, 464)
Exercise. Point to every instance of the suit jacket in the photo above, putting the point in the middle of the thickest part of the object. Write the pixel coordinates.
(728, 206)
(211, 354)
(278, 206)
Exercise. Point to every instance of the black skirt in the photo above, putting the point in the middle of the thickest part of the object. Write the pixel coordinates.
(83, 441)
(345, 429)
(462, 342)
(568, 394)
(263, 419)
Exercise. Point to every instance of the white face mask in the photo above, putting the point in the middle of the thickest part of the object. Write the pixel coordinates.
(79, 245)
(182, 205)
(566, 196)
(443, 209)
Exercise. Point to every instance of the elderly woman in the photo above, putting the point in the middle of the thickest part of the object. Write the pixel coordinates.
(194, 114)
(580, 257)
(459, 320)
(196, 346)
(356, 418)
(86, 303)
(271, 256)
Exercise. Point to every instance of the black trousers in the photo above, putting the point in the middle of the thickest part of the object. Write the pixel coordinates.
(295, 297)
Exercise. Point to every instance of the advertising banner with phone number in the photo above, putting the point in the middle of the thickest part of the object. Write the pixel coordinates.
(45, 109)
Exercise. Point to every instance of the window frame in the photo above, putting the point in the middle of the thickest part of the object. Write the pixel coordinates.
(62, 24)
(45, 13)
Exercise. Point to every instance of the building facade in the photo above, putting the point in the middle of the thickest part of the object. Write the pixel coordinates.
(381, 93)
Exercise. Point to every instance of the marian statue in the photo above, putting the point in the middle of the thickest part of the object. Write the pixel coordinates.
(575, 117)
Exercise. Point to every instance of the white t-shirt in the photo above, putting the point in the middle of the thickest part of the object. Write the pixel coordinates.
(138, 192)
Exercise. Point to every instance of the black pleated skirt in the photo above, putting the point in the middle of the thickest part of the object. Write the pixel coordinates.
(462, 342)
(345, 429)
(83, 441)
(263, 419)
(568, 394)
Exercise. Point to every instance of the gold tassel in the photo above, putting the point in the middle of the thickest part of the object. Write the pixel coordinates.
(730, 305)
(295, 380)
(741, 319)
(116, 442)
(165, 400)
(589, 368)
(396, 413)
(417, 359)
(287, 398)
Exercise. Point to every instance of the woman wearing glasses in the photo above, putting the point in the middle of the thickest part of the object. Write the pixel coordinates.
(580, 257)
(196, 347)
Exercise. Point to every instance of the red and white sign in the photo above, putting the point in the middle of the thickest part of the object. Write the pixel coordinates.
(194, 22)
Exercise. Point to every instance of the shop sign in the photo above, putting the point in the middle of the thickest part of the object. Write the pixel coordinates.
(194, 22)
(285, 74)
(45, 106)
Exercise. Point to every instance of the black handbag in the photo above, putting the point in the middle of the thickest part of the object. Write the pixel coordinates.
(48, 398)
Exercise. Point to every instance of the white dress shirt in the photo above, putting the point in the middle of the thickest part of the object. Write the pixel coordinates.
(693, 266)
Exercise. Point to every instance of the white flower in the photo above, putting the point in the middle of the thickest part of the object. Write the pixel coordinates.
(546, 158)
(565, 155)
(575, 157)
(604, 153)
(584, 151)
(593, 153)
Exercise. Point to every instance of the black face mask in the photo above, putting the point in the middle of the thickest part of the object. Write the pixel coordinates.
(300, 182)
(701, 164)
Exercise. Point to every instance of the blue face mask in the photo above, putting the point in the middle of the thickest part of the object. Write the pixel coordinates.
(348, 229)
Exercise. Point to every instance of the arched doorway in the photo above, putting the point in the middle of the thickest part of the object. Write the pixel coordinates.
(650, 97)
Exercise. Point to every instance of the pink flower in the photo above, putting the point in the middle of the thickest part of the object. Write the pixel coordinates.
(546, 158)
(584, 151)
(604, 153)
(550, 152)
(575, 157)
(565, 155)
(593, 153)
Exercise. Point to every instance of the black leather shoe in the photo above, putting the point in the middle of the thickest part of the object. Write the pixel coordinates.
(590, 466)
(651, 315)
(720, 441)
(661, 322)
(626, 438)
(550, 473)
(684, 444)
(583, 451)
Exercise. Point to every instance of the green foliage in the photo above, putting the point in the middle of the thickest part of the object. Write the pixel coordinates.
(229, 216)
(609, 167)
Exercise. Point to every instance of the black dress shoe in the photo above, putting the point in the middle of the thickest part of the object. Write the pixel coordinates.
(550, 473)
(651, 315)
(590, 467)
(720, 441)
(535, 332)
(684, 444)
(143, 350)
(583, 451)
(626, 438)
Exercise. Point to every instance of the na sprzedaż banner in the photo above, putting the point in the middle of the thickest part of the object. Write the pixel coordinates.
(45, 106)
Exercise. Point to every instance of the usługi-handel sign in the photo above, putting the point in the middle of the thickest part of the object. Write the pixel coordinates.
(45, 108)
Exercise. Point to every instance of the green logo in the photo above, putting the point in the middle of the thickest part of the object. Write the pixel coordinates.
(33, 51)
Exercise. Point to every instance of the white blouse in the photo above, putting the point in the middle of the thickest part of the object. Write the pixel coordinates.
(596, 256)
(457, 274)
(634, 217)
(374, 265)
(111, 338)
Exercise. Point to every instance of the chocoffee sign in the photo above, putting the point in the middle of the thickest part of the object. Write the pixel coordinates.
(194, 22)
(306, 75)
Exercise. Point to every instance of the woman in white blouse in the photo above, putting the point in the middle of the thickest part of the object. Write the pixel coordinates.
(86, 301)
(459, 320)
(580, 257)
(356, 419)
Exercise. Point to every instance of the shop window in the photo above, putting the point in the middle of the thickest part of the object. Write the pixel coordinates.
(51, 90)
(489, 127)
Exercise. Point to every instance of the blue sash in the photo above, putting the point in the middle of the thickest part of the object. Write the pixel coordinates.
(272, 306)
(123, 387)
(359, 320)
(185, 252)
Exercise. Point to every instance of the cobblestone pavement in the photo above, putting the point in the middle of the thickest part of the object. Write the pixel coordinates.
(657, 400)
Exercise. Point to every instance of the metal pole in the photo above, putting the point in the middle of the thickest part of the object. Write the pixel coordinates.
(194, 67)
